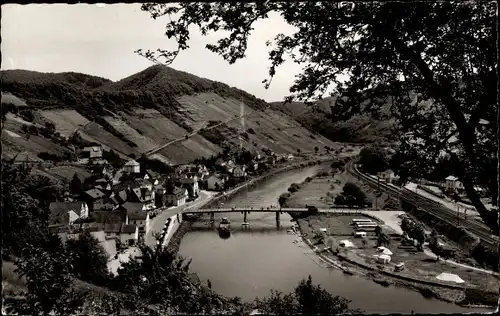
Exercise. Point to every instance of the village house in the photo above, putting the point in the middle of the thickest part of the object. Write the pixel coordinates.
(92, 197)
(102, 171)
(253, 166)
(66, 213)
(239, 172)
(152, 176)
(103, 185)
(112, 230)
(141, 183)
(129, 234)
(106, 204)
(159, 191)
(119, 193)
(388, 176)
(271, 160)
(215, 182)
(220, 162)
(137, 214)
(453, 184)
(117, 216)
(191, 184)
(144, 196)
(132, 166)
(176, 198)
(90, 154)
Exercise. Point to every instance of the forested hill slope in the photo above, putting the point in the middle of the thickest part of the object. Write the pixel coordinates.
(142, 112)
(361, 128)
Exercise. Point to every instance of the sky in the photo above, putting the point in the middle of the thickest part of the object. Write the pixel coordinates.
(100, 40)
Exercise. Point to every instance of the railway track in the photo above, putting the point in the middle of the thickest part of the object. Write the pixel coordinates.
(429, 206)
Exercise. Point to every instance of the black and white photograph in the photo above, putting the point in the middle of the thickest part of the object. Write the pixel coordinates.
(250, 158)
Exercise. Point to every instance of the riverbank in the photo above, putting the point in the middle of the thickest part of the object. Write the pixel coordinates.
(420, 270)
(415, 277)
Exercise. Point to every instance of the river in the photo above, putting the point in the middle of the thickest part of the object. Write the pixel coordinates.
(256, 259)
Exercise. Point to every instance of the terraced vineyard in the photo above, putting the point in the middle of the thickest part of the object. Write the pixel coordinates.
(66, 121)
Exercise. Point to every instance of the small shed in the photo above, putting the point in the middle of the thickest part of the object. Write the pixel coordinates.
(384, 259)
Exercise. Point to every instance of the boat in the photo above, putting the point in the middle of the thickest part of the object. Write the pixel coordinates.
(224, 224)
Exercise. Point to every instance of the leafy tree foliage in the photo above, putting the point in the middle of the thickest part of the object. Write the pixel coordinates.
(46, 268)
(307, 299)
(432, 62)
(414, 230)
(383, 239)
(24, 221)
(76, 184)
(88, 258)
(373, 159)
(351, 195)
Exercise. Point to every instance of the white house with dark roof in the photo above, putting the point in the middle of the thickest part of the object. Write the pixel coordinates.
(132, 166)
(176, 198)
(129, 234)
(137, 214)
(452, 183)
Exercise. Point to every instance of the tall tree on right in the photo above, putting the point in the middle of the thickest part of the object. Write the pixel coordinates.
(432, 63)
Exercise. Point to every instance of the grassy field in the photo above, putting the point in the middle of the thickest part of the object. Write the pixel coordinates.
(321, 192)
(67, 172)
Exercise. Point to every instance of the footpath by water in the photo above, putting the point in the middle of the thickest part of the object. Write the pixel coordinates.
(258, 258)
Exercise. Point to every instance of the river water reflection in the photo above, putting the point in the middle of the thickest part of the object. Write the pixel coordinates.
(258, 258)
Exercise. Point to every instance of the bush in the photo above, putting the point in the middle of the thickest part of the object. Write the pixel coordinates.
(251, 131)
(33, 130)
(27, 115)
(283, 198)
(294, 187)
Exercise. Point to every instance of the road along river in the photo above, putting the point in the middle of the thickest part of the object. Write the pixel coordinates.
(258, 258)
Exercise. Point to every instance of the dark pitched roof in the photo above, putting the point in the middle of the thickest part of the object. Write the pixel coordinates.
(112, 228)
(132, 206)
(106, 204)
(121, 186)
(152, 174)
(95, 193)
(139, 182)
(128, 228)
(111, 217)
